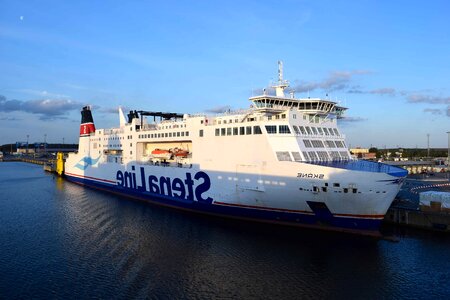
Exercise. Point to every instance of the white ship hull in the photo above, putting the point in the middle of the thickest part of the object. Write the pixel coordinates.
(282, 161)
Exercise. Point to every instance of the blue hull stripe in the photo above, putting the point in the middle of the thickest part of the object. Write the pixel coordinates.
(365, 226)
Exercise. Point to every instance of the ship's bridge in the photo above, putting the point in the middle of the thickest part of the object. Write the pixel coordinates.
(310, 106)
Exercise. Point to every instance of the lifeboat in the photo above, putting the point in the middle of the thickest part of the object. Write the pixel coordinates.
(180, 152)
(161, 154)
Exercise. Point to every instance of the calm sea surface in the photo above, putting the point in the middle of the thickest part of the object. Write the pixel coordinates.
(60, 240)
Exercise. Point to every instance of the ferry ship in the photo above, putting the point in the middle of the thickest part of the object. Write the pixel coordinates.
(284, 161)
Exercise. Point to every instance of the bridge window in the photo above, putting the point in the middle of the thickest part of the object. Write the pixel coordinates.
(241, 130)
(302, 129)
(217, 131)
(229, 131)
(320, 130)
(222, 131)
(284, 129)
(256, 130)
(200, 133)
(314, 130)
(307, 143)
(248, 130)
(271, 129)
(331, 131)
(297, 131)
(335, 131)
(326, 131)
(235, 131)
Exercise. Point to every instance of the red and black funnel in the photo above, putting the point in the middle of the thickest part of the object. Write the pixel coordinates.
(87, 122)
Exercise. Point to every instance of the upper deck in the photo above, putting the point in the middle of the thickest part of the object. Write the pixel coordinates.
(310, 106)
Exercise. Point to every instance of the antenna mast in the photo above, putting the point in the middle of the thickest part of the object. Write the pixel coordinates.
(282, 84)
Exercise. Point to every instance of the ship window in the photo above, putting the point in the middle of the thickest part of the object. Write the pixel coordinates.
(354, 191)
(294, 116)
(313, 156)
(302, 130)
(248, 130)
(187, 133)
(241, 130)
(217, 131)
(200, 133)
(343, 154)
(330, 144)
(331, 131)
(165, 134)
(170, 134)
(269, 118)
(317, 143)
(257, 130)
(314, 130)
(220, 122)
(283, 116)
(236, 120)
(296, 156)
(182, 133)
(271, 129)
(277, 117)
(307, 143)
(283, 156)
(178, 134)
(201, 121)
(326, 183)
(284, 129)
(305, 154)
(336, 184)
(296, 129)
(222, 131)
(224, 121)
(345, 190)
(131, 144)
(235, 131)
(324, 189)
(308, 130)
(229, 131)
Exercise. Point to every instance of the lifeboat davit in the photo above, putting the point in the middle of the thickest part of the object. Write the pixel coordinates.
(161, 154)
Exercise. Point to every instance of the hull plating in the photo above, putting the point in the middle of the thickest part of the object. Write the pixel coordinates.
(365, 225)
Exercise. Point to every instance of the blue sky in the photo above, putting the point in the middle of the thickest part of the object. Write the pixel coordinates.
(387, 61)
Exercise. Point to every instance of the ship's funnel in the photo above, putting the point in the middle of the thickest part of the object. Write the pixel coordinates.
(87, 122)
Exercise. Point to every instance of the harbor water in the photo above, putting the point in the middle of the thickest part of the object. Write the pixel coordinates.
(60, 240)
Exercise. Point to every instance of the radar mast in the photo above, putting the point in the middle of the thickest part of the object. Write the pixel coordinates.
(281, 84)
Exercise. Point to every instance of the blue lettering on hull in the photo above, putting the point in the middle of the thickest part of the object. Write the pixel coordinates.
(191, 189)
(202, 206)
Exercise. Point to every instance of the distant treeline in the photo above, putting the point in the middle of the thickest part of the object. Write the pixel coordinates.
(13, 148)
(410, 152)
